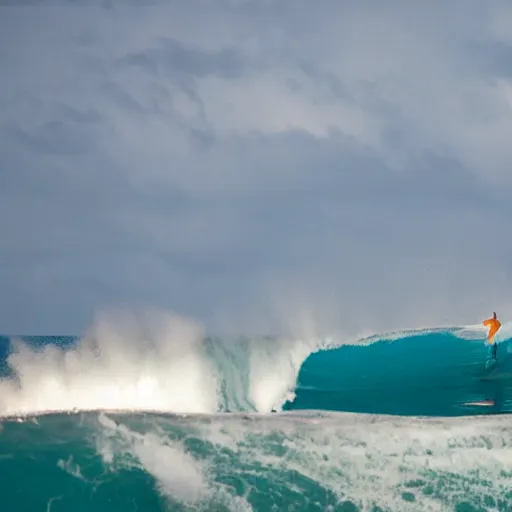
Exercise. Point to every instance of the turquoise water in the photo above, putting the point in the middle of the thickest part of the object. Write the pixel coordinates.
(434, 374)
(380, 424)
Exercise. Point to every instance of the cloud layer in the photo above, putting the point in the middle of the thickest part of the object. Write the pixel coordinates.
(248, 162)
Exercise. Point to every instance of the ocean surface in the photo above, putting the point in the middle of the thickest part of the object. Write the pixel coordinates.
(154, 416)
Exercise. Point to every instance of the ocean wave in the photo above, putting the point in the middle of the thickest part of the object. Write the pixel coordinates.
(163, 362)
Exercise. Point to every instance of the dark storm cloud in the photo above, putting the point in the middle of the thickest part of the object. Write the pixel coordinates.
(229, 159)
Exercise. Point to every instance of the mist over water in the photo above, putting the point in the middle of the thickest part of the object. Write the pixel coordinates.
(155, 361)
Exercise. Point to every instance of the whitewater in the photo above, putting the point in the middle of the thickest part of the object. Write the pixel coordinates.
(147, 412)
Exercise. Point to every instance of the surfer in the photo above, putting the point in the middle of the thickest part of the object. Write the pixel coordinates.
(494, 326)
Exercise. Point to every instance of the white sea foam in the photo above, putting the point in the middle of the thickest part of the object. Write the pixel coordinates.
(155, 361)
(180, 476)
(392, 462)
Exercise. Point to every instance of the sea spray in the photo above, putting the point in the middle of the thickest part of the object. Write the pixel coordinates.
(152, 361)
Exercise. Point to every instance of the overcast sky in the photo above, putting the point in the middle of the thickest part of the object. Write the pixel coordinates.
(247, 163)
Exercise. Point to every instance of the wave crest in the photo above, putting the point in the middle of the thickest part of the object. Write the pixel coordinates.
(152, 361)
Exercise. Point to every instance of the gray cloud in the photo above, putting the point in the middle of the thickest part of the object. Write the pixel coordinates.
(173, 60)
(240, 161)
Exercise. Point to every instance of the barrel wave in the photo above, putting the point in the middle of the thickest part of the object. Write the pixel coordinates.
(152, 414)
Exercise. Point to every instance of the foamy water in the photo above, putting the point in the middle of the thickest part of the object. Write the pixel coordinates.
(156, 361)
